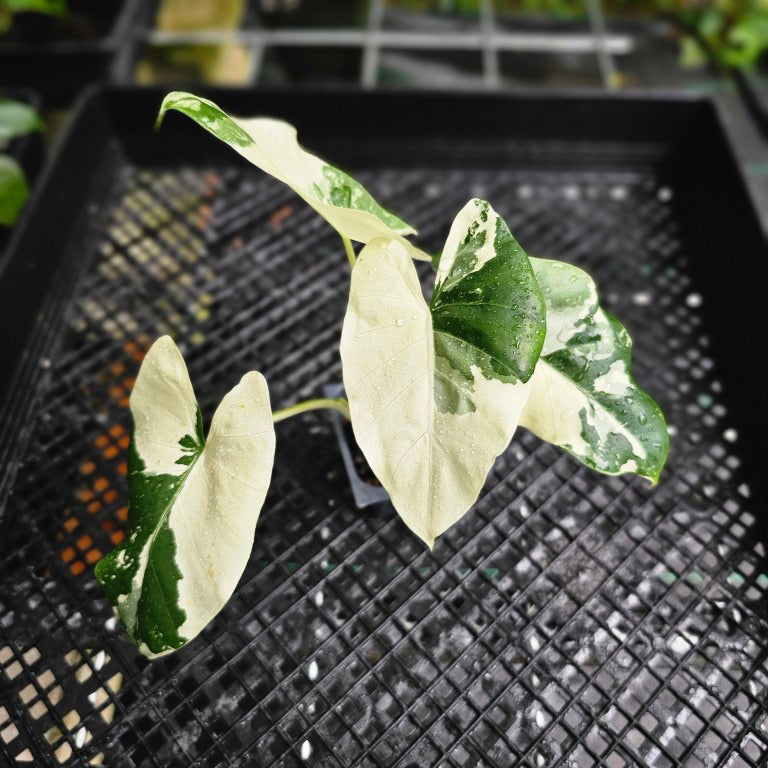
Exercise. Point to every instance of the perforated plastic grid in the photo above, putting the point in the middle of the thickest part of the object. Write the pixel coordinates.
(568, 619)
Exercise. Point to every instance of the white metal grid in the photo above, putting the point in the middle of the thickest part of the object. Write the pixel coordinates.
(489, 39)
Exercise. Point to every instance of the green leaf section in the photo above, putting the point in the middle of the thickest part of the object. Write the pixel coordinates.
(47, 7)
(13, 190)
(489, 317)
(50, 7)
(206, 114)
(340, 189)
(584, 396)
(17, 119)
(151, 615)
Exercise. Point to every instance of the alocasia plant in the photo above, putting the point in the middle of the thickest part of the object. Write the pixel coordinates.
(435, 392)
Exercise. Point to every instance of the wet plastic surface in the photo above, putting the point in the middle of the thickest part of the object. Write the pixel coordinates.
(569, 619)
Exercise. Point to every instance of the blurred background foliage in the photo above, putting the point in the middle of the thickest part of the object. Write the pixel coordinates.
(734, 32)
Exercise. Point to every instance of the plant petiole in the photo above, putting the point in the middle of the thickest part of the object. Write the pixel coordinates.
(338, 403)
(350, 250)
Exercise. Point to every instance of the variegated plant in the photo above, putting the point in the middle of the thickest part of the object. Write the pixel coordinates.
(435, 392)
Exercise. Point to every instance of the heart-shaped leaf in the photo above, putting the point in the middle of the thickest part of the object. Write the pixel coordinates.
(583, 396)
(193, 504)
(272, 146)
(435, 392)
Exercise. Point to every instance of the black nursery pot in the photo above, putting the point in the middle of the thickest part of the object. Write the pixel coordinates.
(60, 55)
(366, 489)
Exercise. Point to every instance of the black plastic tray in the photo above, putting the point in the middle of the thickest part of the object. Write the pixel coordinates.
(569, 619)
(60, 68)
(754, 89)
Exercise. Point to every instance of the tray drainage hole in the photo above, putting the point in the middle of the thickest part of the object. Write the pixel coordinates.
(525, 191)
(618, 193)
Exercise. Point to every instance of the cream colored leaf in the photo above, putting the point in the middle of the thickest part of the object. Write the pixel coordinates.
(431, 454)
(193, 504)
(272, 146)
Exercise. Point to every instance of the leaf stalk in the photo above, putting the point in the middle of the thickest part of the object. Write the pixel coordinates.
(339, 404)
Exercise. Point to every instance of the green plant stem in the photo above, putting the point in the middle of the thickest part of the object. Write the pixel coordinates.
(350, 250)
(338, 403)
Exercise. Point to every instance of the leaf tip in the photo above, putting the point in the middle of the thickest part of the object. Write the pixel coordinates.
(169, 103)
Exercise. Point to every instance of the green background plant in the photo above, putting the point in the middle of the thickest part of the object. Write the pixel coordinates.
(16, 119)
(734, 33)
(10, 7)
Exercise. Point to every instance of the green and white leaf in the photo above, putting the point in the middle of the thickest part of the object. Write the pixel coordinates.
(13, 190)
(272, 146)
(583, 397)
(193, 504)
(435, 391)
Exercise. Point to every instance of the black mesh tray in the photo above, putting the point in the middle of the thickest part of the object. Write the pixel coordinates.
(569, 619)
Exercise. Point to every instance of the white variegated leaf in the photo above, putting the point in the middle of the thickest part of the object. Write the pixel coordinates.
(193, 504)
(272, 146)
(583, 397)
(435, 391)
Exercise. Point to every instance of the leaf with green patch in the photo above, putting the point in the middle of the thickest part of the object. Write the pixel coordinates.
(13, 190)
(272, 146)
(17, 119)
(435, 391)
(583, 397)
(193, 504)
